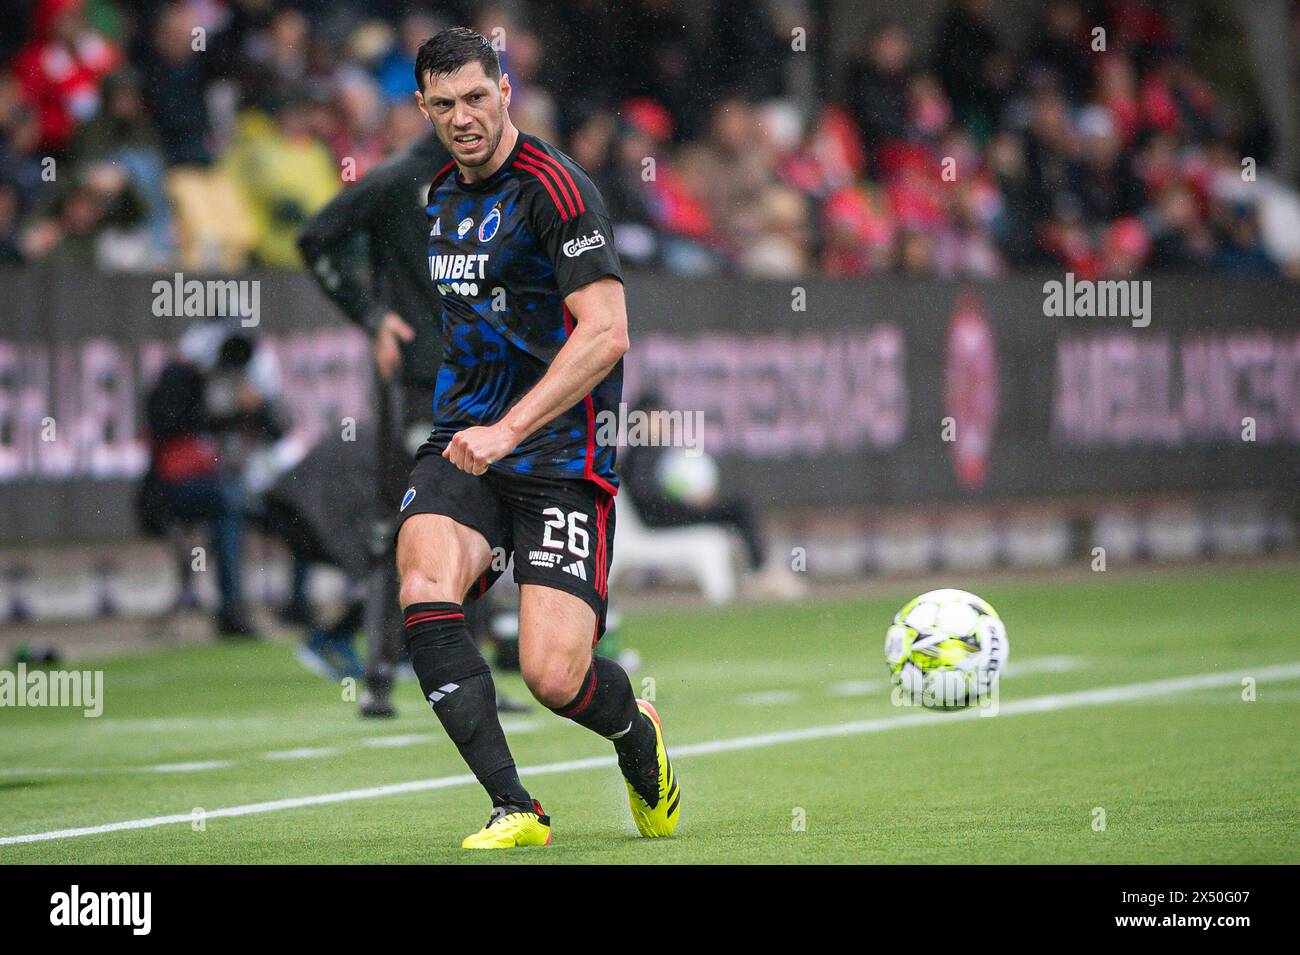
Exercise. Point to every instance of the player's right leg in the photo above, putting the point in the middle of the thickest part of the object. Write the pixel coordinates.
(439, 559)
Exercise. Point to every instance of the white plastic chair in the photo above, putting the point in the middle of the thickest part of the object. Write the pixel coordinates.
(702, 552)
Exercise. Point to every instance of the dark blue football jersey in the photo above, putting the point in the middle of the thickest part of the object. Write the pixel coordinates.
(503, 254)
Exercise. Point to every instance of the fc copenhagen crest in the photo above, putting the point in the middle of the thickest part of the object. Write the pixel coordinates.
(488, 227)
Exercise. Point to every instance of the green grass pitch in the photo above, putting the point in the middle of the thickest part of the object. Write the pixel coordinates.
(1193, 774)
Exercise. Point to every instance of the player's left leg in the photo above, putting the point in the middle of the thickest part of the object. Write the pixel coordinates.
(557, 662)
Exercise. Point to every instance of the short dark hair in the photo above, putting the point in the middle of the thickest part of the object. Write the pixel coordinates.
(448, 50)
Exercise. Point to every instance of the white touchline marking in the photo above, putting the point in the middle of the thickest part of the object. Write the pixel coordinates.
(768, 697)
(55, 770)
(1100, 696)
(307, 752)
(519, 726)
(855, 687)
(1043, 665)
(410, 739)
(191, 767)
(1057, 664)
(181, 724)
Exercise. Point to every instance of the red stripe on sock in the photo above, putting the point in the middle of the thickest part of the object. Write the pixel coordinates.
(427, 615)
(590, 691)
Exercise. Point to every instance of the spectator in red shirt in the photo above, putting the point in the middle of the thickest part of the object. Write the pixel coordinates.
(61, 68)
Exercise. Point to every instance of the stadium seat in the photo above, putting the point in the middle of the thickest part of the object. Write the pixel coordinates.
(702, 552)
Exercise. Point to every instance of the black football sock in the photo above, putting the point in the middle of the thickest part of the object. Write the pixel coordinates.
(457, 682)
(606, 705)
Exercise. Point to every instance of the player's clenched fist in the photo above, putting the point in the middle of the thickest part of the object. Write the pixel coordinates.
(473, 449)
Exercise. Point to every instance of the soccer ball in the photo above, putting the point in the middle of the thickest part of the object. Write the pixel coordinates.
(688, 478)
(946, 649)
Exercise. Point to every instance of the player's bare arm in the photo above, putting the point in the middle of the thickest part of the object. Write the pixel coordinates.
(598, 341)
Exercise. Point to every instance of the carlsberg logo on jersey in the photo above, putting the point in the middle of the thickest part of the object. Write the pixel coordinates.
(575, 247)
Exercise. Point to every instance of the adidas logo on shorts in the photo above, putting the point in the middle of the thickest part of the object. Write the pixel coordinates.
(576, 569)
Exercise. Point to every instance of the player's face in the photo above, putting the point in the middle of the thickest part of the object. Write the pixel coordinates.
(468, 110)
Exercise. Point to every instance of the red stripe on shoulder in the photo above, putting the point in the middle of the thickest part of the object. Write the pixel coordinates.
(437, 176)
(520, 164)
(552, 162)
(540, 169)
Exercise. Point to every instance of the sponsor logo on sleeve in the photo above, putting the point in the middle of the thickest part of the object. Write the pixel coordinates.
(583, 243)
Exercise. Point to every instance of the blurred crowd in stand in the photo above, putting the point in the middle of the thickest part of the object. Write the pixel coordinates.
(202, 133)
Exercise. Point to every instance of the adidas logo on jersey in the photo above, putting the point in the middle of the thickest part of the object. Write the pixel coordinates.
(576, 569)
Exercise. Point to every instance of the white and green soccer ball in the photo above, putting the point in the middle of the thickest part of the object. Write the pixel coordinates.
(690, 477)
(946, 649)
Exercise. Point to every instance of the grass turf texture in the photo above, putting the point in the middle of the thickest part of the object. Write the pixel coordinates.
(1198, 776)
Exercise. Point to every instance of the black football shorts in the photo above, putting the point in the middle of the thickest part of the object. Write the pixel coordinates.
(560, 531)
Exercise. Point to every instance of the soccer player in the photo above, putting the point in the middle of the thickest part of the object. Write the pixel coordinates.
(378, 227)
(534, 330)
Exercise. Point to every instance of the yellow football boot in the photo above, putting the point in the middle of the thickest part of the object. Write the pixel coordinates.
(507, 828)
(661, 818)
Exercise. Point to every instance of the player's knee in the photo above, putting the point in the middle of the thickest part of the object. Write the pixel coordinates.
(417, 586)
(556, 682)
